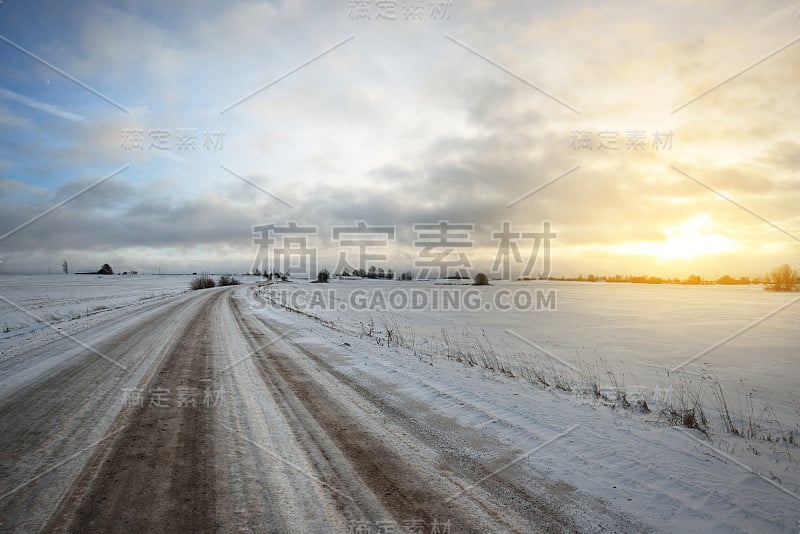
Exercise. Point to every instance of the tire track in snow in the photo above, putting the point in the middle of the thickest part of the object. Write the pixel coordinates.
(158, 472)
(63, 401)
(408, 486)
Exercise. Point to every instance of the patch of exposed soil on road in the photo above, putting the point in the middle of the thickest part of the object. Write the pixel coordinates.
(158, 473)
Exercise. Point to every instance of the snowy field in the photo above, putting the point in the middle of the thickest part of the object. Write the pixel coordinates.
(33, 307)
(674, 478)
(732, 348)
(641, 331)
(487, 369)
(628, 337)
(59, 298)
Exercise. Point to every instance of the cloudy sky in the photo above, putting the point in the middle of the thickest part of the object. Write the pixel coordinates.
(657, 137)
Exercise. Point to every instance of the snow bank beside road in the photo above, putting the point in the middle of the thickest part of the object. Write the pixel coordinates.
(672, 479)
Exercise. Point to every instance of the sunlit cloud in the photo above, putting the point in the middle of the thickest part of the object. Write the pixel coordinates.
(401, 125)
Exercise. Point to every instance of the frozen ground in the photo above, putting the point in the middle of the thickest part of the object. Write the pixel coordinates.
(325, 424)
(59, 298)
(676, 479)
(640, 332)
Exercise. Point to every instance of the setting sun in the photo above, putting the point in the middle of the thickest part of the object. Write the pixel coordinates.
(690, 239)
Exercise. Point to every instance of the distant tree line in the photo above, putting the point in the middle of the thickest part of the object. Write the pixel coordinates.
(377, 273)
(692, 280)
(780, 278)
(372, 272)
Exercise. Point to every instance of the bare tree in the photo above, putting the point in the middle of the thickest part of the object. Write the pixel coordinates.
(783, 278)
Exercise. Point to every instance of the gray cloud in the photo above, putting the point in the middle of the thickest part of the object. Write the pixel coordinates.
(401, 126)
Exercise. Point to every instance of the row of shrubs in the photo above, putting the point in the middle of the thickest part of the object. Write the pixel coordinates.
(204, 281)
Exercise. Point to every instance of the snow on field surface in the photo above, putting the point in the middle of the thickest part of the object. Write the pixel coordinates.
(34, 308)
(638, 331)
(671, 477)
(59, 298)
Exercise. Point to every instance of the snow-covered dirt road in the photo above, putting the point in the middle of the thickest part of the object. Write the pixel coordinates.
(196, 414)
